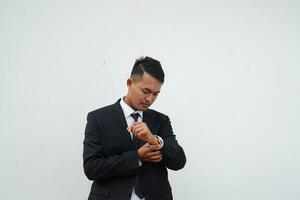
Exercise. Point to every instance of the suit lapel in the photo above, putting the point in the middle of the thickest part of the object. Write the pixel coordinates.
(120, 121)
(147, 118)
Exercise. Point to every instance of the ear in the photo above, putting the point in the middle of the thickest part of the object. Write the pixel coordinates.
(129, 82)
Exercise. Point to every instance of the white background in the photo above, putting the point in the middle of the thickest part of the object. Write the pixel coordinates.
(232, 91)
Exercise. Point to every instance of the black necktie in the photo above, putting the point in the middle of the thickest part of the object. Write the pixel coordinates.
(137, 187)
(135, 116)
(135, 140)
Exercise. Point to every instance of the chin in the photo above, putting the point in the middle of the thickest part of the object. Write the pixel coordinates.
(143, 108)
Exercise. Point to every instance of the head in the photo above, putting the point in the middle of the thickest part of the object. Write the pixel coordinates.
(144, 84)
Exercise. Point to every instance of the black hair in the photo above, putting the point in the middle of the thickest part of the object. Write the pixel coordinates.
(150, 66)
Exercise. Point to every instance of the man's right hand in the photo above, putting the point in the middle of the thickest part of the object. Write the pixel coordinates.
(149, 154)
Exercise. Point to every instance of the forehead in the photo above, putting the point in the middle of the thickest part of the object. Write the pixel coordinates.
(148, 82)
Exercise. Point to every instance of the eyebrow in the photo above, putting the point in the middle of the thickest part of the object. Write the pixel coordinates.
(148, 90)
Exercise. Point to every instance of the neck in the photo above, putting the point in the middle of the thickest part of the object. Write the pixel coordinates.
(128, 102)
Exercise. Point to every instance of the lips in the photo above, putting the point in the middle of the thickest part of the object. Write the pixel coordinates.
(146, 105)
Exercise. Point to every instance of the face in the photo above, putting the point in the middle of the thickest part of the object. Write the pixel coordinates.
(142, 91)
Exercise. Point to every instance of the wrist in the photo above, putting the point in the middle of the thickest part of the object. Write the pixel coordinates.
(154, 140)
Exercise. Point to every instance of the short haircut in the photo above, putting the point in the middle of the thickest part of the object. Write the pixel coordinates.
(150, 66)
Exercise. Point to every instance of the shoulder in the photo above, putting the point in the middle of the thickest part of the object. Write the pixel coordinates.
(157, 115)
(104, 111)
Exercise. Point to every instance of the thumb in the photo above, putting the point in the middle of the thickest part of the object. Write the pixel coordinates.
(129, 128)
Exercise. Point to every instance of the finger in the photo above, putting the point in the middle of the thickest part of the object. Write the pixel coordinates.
(129, 128)
(148, 153)
(137, 130)
(155, 147)
(135, 124)
(133, 133)
(133, 127)
(142, 133)
(156, 159)
(147, 147)
(138, 123)
(154, 153)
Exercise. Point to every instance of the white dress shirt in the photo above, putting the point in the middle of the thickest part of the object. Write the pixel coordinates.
(127, 110)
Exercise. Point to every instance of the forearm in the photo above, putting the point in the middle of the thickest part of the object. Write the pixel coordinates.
(173, 154)
(102, 168)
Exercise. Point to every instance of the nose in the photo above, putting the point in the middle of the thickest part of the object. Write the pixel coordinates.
(149, 98)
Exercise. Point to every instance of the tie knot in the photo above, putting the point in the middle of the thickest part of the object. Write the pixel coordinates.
(135, 116)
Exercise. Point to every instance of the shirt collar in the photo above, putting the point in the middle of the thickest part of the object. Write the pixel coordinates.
(127, 110)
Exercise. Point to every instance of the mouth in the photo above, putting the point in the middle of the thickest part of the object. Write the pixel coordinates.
(145, 105)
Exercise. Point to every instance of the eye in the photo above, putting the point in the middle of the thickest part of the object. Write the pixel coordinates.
(145, 91)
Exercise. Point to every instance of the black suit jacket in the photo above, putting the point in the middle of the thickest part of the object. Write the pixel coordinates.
(111, 159)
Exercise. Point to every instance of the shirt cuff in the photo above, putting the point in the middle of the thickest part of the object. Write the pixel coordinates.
(160, 140)
(140, 163)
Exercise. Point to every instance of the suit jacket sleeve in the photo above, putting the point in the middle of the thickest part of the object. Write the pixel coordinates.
(96, 165)
(174, 156)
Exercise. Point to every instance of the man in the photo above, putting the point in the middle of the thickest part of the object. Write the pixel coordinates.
(128, 147)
